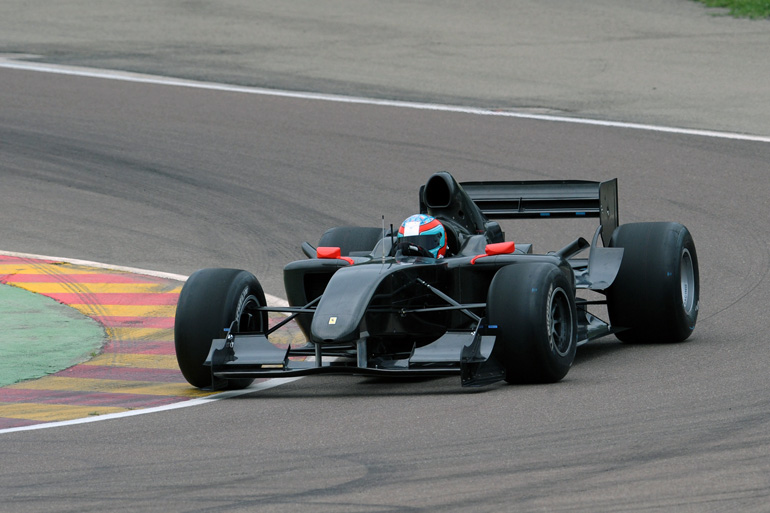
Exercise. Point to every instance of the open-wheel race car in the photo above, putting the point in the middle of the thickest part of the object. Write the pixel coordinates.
(447, 295)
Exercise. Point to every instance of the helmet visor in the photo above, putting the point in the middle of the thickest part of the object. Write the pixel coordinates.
(431, 241)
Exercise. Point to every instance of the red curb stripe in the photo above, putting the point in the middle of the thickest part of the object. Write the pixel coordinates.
(77, 278)
(7, 423)
(109, 298)
(16, 260)
(135, 322)
(160, 347)
(84, 398)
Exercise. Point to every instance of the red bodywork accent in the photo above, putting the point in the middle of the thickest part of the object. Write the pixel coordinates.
(499, 248)
(332, 253)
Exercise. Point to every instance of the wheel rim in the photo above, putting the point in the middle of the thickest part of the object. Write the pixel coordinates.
(249, 320)
(687, 278)
(560, 322)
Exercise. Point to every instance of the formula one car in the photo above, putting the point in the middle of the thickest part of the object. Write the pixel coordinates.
(447, 295)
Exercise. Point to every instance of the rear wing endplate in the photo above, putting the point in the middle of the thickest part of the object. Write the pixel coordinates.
(548, 198)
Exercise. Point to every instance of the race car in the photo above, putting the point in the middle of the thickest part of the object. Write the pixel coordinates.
(446, 294)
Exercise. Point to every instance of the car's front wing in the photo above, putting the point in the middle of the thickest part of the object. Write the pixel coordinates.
(468, 354)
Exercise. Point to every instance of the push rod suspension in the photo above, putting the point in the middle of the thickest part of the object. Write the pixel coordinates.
(449, 300)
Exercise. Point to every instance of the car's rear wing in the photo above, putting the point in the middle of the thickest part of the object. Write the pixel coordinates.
(473, 204)
(548, 198)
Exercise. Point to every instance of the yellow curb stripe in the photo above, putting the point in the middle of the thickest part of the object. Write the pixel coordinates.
(50, 269)
(285, 338)
(111, 386)
(139, 361)
(152, 334)
(53, 412)
(95, 288)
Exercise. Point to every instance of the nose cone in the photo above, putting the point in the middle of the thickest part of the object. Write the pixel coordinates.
(335, 328)
(343, 305)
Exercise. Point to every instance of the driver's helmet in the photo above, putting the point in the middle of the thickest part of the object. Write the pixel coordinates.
(426, 232)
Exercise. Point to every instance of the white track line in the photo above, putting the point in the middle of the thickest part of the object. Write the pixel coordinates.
(274, 382)
(11, 62)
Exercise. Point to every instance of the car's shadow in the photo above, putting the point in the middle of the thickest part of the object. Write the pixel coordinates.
(363, 386)
(598, 349)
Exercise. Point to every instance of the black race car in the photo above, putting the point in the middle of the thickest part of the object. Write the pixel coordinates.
(373, 303)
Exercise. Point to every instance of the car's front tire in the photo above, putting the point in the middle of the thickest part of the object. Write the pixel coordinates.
(210, 301)
(533, 307)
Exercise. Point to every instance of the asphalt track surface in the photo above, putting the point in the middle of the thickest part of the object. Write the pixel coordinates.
(174, 179)
(664, 62)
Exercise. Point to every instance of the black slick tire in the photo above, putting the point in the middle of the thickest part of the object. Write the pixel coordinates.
(656, 292)
(209, 302)
(533, 307)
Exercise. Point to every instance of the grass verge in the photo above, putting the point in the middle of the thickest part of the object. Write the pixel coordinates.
(754, 9)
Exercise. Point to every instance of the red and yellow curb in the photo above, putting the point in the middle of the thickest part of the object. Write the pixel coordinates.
(137, 367)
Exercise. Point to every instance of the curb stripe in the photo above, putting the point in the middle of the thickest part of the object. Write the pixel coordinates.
(35, 276)
(138, 335)
(127, 311)
(146, 347)
(142, 361)
(90, 371)
(122, 373)
(136, 299)
(165, 323)
(114, 386)
(127, 401)
(137, 368)
(52, 413)
(89, 290)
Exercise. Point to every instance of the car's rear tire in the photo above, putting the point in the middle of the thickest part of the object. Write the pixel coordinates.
(656, 292)
(351, 239)
(533, 307)
(209, 302)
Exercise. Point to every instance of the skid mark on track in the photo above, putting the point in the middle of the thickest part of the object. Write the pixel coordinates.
(136, 368)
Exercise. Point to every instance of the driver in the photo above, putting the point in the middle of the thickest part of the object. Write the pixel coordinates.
(426, 232)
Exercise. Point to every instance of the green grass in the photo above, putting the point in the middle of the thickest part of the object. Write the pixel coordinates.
(754, 9)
